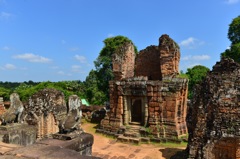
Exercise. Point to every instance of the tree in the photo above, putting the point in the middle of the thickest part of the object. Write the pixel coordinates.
(234, 31)
(103, 63)
(195, 76)
(233, 52)
(92, 93)
(234, 36)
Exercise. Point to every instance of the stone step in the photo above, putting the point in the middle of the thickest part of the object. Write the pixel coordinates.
(135, 123)
(131, 134)
(122, 138)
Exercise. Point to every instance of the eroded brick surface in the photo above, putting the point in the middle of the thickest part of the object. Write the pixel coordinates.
(152, 97)
(214, 123)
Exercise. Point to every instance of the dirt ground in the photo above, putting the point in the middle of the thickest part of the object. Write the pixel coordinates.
(107, 148)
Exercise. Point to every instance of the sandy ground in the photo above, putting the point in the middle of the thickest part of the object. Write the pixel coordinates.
(108, 148)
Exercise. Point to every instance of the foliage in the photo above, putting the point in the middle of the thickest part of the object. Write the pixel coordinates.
(27, 89)
(234, 31)
(103, 63)
(4, 92)
(234, 36)
(92, 93)
(233, 52)
(195, 76)
(182, 75)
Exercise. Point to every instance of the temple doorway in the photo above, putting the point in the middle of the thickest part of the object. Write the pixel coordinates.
(136, 111)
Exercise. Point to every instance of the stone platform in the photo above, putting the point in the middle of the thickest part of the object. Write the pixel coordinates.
(21, 134)
(75, 148)
(48, 149)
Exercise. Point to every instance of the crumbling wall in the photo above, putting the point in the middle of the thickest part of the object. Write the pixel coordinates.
(164, 104)
(154, 97)
(156, 62)
(169, 56)
(46, 109)
(148, 63)
(123, 61)
(2, 108)
(214, 113)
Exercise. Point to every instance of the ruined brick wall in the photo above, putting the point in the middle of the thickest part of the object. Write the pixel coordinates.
(46, 126)
(159, 61)
(227, 148)
(46, 109)
(123, 61)
(169, 56)
(164, 105)
(214, 111)
(2, 108)
(168, 107)
(153, 97)
(148, 63)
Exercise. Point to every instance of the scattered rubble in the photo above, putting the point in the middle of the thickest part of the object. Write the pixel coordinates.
(43, 122)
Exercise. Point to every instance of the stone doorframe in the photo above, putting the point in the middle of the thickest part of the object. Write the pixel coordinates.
(127, 103)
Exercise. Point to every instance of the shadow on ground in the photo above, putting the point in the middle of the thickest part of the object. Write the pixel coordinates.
(173, 153)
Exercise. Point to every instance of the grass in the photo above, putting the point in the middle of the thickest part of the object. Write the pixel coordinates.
(171, 145)
(92, 129)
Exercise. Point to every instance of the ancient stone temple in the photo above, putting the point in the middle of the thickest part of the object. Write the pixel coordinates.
(214, 114)
(2, 108)
(146, 96)
(45, 126)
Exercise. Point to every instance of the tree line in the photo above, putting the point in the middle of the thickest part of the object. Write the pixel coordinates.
(95, 88)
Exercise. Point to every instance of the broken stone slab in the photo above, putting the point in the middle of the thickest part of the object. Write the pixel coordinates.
(46, 151)
(20, 134)
(80, 142)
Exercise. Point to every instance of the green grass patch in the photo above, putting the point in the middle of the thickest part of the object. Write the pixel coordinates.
(170, 144)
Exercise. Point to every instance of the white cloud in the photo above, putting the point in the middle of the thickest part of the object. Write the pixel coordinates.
(63, 42)
(191, 43)
(196, 57)
(32, 58)
(60, 73)
(232, 1)
(74, 49)
(110, 35)
(6, 48)
(9, 67)
(54, 67)
(188, 41)
(5, 15)
(80, 58)
(76, 68)
(192, 65)
(2, 1)
(63, 73)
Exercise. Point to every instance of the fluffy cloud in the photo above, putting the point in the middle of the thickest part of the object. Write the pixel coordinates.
(5, 15)
(76, 68)
(74, 49)
(63, 73)
(80, 58)
(32, 58)
(63, 42)
(196, 57)
(2, 1)
(6, 48)
(232, 1)
(191, 43)
(8, 67)
(60, 73)
(110, 35)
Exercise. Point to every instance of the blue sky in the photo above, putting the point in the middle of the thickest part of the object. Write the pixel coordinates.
(57, 40)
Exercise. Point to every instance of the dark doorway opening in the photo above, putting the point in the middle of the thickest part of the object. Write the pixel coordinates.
(136, 110)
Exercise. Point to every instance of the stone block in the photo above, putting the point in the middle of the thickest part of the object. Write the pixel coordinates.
(20, 134)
